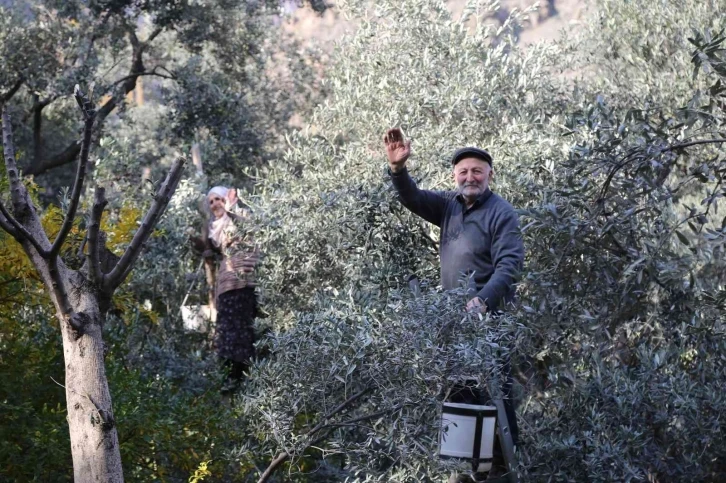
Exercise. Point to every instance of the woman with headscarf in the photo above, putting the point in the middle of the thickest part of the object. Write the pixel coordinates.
(236, 300)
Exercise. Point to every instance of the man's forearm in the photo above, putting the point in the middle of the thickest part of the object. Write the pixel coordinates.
(428, 205)
(508, 258)
(498, 287)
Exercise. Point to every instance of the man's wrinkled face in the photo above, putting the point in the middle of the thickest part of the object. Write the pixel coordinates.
(472, 176)
(216, 205)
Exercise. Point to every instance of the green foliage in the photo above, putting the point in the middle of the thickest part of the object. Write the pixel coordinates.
(168, 422)
(617, 168)
(638, 51)
(619, 327)
(165, 428)
(34, 439)
(219, 75)
(371, 395)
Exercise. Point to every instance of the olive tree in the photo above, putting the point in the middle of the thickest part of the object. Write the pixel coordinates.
(81, 297)
(617, 335)
(365, 364)
(141, 60)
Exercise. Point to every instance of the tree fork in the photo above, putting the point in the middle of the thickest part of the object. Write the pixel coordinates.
(122, 269)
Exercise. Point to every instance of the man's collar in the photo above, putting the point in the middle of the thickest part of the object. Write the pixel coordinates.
(479, 201)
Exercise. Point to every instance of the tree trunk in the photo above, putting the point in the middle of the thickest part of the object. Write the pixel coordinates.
(94, 439)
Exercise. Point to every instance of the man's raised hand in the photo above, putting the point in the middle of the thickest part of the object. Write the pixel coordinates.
(397, 149)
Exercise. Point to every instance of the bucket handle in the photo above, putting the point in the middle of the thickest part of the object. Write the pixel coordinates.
(194, 282)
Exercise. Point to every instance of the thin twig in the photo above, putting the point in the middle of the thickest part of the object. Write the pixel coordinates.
(61, 385)
(625, 160)
(153, 35)
(367, 417)
(89, 114)
(694, 143)
(140, 74)
(322, 424)
(338, 409)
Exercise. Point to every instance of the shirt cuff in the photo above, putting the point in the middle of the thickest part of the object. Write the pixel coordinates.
(487, 296)
(399, 173)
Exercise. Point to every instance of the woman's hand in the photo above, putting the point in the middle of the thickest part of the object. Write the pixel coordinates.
(249, 263)
(231, 198)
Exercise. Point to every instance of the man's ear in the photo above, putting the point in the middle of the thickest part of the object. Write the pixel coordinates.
(491, 174)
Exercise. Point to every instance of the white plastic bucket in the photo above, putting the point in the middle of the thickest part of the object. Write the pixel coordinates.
(466, 429)
(197, 318)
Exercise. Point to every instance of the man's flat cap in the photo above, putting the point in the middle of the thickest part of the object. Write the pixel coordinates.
(471, 152)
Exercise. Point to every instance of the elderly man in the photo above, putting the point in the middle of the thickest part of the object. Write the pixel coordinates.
(480, 237)
(479, 229)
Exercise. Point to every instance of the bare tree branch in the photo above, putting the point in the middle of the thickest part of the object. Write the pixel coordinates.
(37, 114)
(161, 200)
(338, 409)
(128, 84)
(37, 127)
(89, 115)
(634, 154)
(694, 143)
(18, 192)
(94, 254)
(274, 464)
(22, 207)
(367, 417)
(152, 72)
(9, 95)
(19, 232)
(64, 157)
(153, 35)
(6, 225)
(16, 188)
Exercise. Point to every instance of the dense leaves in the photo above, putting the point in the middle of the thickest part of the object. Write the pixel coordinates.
(609, 141)
(619, 326)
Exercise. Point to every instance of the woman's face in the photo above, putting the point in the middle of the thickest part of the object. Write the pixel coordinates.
(216, 205)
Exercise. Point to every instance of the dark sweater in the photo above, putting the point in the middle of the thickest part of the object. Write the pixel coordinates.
(483, 241)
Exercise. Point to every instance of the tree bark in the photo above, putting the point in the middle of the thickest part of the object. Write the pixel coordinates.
(92, 427)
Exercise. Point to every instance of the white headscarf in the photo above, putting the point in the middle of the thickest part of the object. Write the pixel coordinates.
(217, 226)
(218, 190)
